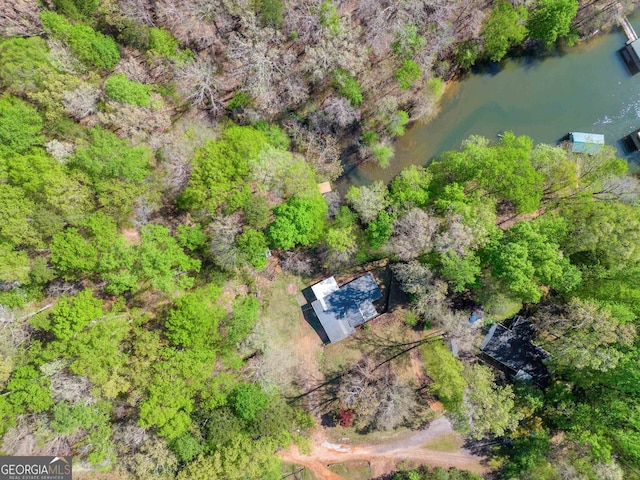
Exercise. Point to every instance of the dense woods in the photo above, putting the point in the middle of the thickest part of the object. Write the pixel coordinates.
(159, 170)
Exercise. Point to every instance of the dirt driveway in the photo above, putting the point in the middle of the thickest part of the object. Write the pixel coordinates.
(387, 454)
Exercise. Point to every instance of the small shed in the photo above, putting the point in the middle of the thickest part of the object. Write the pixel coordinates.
(586, 142)
(341, 309)
(324, 187)
(512, 350)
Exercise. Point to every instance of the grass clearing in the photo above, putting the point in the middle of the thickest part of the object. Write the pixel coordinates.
(449, 442)
(288, 344)
(352, 470)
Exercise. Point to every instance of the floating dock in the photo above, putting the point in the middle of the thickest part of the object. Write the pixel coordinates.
(630, 53)
(632, 141)
(589, 143)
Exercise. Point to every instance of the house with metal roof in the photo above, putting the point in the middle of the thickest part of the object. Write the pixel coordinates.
(341, 309)
(586, 142)
(511, 350)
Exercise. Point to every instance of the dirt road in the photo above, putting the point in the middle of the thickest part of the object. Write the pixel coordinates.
(388, 454)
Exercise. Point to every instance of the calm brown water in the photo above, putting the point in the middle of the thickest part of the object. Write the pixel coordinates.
(586, 88)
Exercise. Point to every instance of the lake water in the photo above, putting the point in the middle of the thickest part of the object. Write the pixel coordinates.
(586, 88)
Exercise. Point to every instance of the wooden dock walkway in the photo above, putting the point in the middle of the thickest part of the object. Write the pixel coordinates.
(631, 34)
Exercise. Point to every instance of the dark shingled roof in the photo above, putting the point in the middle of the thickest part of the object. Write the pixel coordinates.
(512, 348)
(349, 306)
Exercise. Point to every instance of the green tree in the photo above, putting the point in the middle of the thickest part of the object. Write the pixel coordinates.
(187, 447)
(191, 237)
(297, 222)
(241, 322)
(221, 166)
(489, 408)
(20, 126)
(14, 265)
(28, 391)
(163, 44)
(461, 272)
(73, 314)
(380, 230)
(91, 47)
(257, 212)
(408, 42)
(109, 158)
(270, 12)
(162, 261)
(195, 319)
(247, 400)
(408, 74)
(24, 61)
(347, 86)
(410, 188)
(397, 122)
(72, 254)
(551, 19)
(253, 246)
(504, 28)
(446, 372)
(584, 335)
(119, 87)
(502, 170)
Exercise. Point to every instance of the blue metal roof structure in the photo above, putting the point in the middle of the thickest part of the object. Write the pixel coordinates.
(586, 142)
(347, 307)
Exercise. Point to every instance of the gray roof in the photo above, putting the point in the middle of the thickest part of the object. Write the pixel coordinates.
(344, 309)
(513, 349)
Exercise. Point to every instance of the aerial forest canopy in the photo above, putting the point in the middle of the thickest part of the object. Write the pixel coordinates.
(160, 215)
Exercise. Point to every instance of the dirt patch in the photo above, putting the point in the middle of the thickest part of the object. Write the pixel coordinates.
(131, 235)
(507, 221)
(292, 289)
(417, 366)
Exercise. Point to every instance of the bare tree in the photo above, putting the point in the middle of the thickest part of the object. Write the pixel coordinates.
(414, 234)
(135, 123)
(82, 101)
(135, 68)
(368, 201)
(378, 398)
(340, 111)
(625, 189)
(269, 71)
(301, 17)
(177, 149)
(19, 18)
(59, 150)
(188, 21)
(333, 52)
(299, 263)
(321, 151)
(140, 11)
(455, 236)
(223, 231)
(62, 58)
(197, 81)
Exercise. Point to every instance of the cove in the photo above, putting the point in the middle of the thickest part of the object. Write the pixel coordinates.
(586, 88)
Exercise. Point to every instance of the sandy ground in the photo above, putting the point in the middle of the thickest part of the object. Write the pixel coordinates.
(383, 457)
